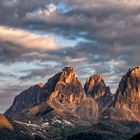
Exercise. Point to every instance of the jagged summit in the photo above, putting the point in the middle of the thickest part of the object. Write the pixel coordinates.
(96, 87)
(68, 74)
(126, 103)
(69, 70)
(129, 88)
(135, 71)
(68, 90)
(40, 84)
(97, 78)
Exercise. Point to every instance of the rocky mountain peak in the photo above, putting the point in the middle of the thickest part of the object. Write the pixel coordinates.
(96, 87)
(68, 75)
(41, 84)
(127, 97)
(129, 86)
(63, 89)
(135, 71)
(69, 70)
(68, 91)
(97, 78)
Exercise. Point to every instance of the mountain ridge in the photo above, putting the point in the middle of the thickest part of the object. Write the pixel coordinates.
(63, 101)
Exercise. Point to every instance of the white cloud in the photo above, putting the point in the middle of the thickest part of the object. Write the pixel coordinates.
(27, 39)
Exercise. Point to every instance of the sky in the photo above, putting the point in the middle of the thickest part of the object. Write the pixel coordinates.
(40, 37)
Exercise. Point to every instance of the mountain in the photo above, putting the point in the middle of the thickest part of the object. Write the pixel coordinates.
(62, 108)
(126, 103)
(96, 88)
(33, 96)
(62, 94)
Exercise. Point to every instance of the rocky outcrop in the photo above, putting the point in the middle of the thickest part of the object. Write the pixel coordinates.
(126, 104)
(128, 92)
(97, 89)
(88, 110)
(5, 123)
(68, 92)
(9, 130)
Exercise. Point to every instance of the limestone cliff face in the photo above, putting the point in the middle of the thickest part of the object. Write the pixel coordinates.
(127, 98)
(97, 89)
(128, 92)
(70, 97)
(68, 91)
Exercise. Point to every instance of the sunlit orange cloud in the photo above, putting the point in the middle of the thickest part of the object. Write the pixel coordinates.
(28, 39)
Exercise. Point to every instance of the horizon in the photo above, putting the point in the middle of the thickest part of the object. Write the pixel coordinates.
(39, 38)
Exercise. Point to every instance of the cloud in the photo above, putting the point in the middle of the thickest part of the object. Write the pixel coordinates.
(21, 45)
(27, 39)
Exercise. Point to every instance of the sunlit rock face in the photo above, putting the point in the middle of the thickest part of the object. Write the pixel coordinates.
(96, 88)
(128, 92)
(69, 97)
(62, 94)
(68, 91)
(127, 98)
(5, 123)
